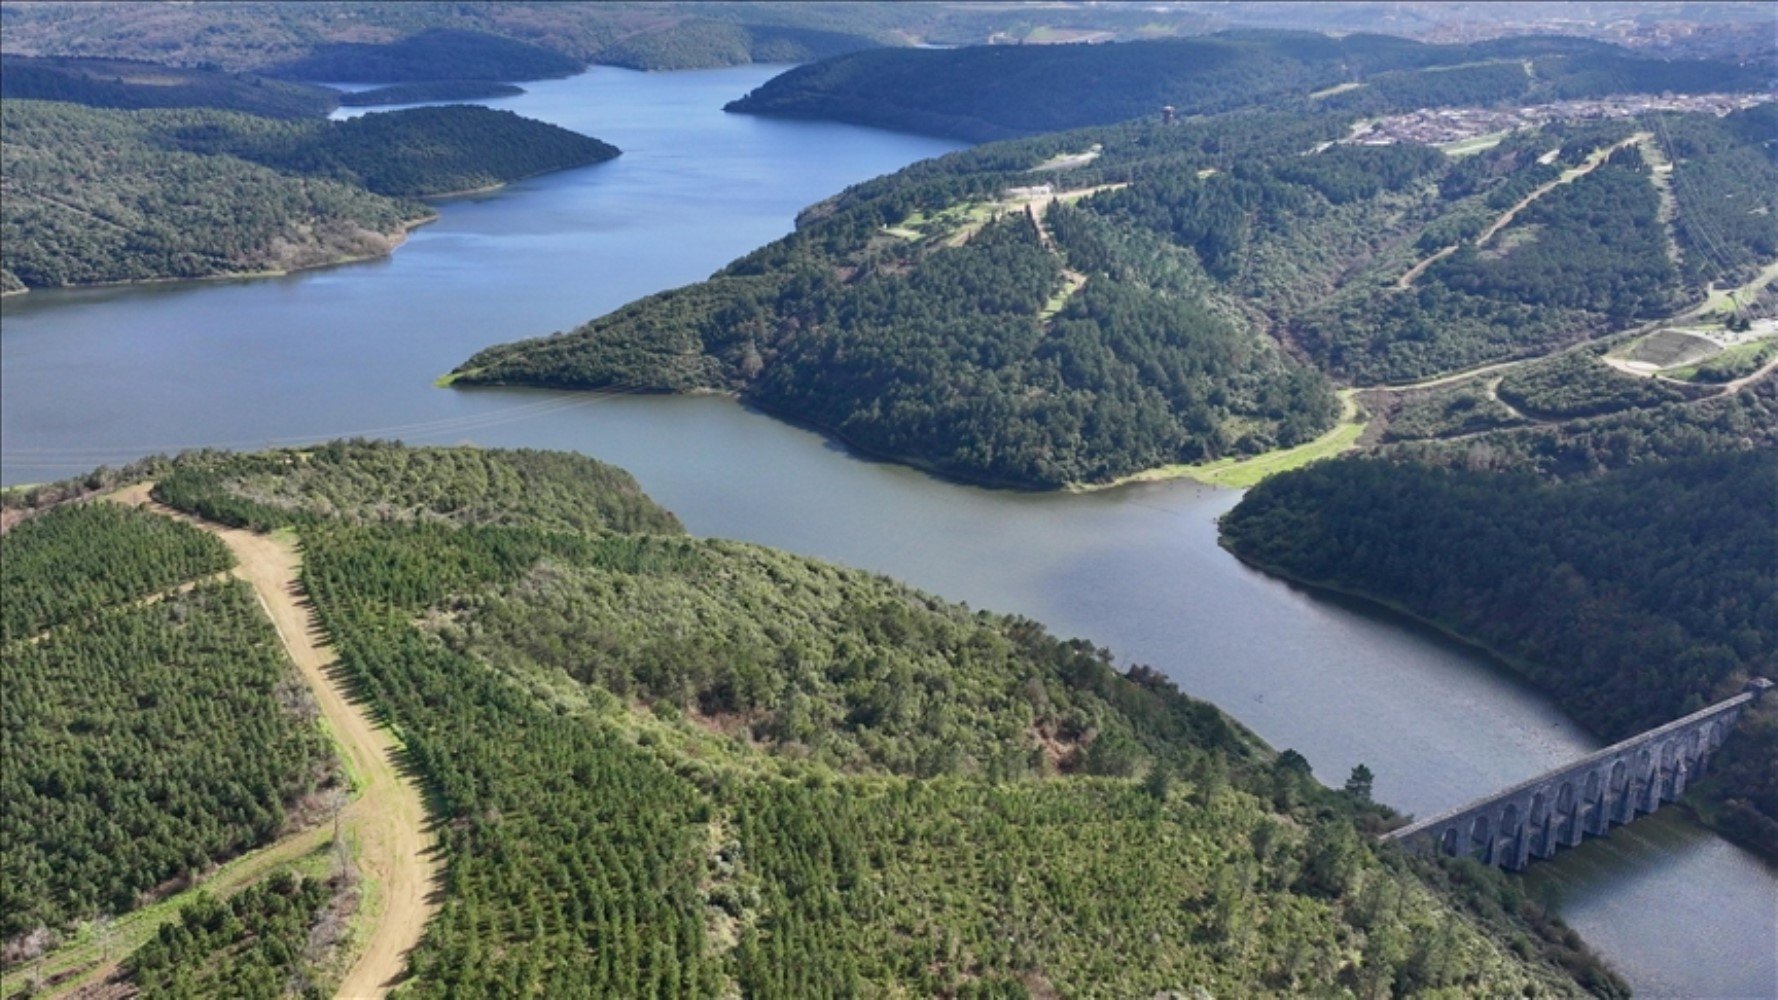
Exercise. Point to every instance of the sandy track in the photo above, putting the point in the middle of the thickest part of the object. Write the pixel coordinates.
(388, 818)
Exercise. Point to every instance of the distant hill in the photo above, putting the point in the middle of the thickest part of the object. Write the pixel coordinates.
(422, 40)
(998, 92)
(198, 193)
(439, 53)
(415, 152)
(120, 83)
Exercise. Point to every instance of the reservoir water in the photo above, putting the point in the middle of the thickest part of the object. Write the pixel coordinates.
(107, 375)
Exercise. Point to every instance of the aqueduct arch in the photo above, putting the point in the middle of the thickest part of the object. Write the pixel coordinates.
(1613, 786)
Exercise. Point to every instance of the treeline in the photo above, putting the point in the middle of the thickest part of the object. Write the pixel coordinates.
(252, 947)
(195, 193)
(143, 747)
(119, 83)
(1589, 446)
(161, 212)
(1623, 563)
(1580, 384)
(997, 92)
(1588, 256)
(929, 316)
(694, 44)
(674, 767)
(430, 90)
(98, 554)
(988, 360)
(1725, 183)
(360, 481)
(432, 54)
(415, 152)
(427, 41)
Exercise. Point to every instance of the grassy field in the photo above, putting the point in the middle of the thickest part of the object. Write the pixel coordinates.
(1751, 355)
(1726, 299)
(1464, 147)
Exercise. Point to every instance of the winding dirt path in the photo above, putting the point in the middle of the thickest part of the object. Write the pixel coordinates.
(387, 821)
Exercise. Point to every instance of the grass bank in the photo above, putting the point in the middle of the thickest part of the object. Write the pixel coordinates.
(1240, 473)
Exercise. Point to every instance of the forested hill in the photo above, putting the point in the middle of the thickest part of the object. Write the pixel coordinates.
(1624, 563)
(427, 41)
(195, 193)
(1081, 306)
(998, 92)
(416, 152)
(666, 766)
(119, 83)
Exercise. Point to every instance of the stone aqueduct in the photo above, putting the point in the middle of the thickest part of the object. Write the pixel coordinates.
(1586, 798)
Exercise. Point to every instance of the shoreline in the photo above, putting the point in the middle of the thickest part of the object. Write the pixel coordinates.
(1345, 434)
(497, 185)
(399, 237)
(1233, 473)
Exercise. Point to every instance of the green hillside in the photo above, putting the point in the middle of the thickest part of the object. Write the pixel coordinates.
(120, 83)
(119, 650)
(683, 767)
(1623, 562)
(1082, 306)
(998, 92)
(196, 193)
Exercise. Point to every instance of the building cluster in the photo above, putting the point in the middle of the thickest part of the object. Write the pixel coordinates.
(1438, 126)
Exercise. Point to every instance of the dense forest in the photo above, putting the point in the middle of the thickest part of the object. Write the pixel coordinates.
(112, 796)
(100, 555)
(438, 53)
(255, 946)
(997, 92)
(990, 359)
(194, 193)
(1080, 306)
(415, 152)
(1624, 563)
(119, 83)
(782, 777)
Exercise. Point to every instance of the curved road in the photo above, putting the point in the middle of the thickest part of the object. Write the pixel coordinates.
(388, 819)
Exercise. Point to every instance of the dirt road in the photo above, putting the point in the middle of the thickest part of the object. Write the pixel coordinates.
(387, 820)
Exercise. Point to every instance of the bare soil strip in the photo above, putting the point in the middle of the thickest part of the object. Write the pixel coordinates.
(388, 818)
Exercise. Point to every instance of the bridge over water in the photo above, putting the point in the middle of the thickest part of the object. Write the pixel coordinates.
(1613, 786)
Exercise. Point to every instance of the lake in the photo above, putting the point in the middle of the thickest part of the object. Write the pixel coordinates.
(107, 375)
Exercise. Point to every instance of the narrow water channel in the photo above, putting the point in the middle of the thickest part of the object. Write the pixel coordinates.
(107, 375)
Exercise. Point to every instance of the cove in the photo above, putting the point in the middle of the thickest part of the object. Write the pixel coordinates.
(107, 375)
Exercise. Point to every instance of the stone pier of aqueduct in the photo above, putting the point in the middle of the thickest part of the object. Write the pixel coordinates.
(1610, 787)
